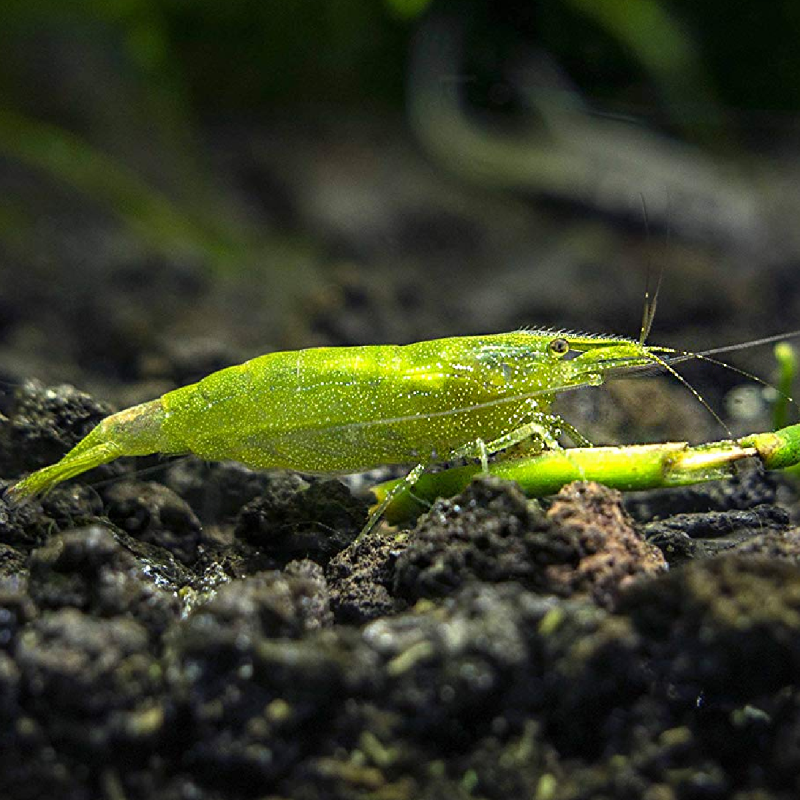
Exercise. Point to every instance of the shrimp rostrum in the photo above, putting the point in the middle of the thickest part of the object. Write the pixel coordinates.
(347, 409)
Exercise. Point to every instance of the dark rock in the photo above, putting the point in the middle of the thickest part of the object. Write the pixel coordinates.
(778, 546)
(752, 488)
(156, 515)
(726, 628)
(257, 702)
(12, 562)
(499, 655)
(24, 525)
(17, 610)
(28, 523)
(492, 533)
(287, 521)
(88, 680)
(269, 604)
(362, 577)
(216, 491)
(45, 423)
(699, 535)
(88, 569)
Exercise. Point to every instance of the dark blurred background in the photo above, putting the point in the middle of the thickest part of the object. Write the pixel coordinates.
(188, 183)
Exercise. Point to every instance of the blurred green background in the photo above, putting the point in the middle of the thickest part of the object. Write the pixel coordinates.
(186, 183)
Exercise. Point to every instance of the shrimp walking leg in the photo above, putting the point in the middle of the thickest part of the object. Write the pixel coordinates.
(577, 437)
(405, 485)
(542, 430)
(545, 430)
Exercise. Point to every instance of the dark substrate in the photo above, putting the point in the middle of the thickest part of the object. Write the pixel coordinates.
(217, 634)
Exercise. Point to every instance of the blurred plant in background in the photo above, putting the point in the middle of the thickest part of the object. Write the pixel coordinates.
(110, 98)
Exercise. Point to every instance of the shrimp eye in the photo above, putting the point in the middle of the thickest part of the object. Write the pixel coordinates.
(559, 346)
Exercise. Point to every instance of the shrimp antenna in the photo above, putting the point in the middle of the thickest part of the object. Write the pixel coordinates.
(686, 355)
(662, 362)
(752, 377)
(165, 462)
(730, 348)
(650, 301)
(703, 355)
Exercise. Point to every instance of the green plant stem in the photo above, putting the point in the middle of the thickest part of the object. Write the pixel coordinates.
(631, 467)
(786, 357)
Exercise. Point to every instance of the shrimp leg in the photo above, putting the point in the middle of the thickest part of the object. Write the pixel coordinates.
(542, 430)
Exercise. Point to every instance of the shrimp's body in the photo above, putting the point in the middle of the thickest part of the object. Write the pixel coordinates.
(347, 409)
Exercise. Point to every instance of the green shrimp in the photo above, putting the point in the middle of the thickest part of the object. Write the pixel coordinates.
(339, 410)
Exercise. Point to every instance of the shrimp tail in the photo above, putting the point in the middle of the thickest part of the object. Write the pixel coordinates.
(135, 431)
